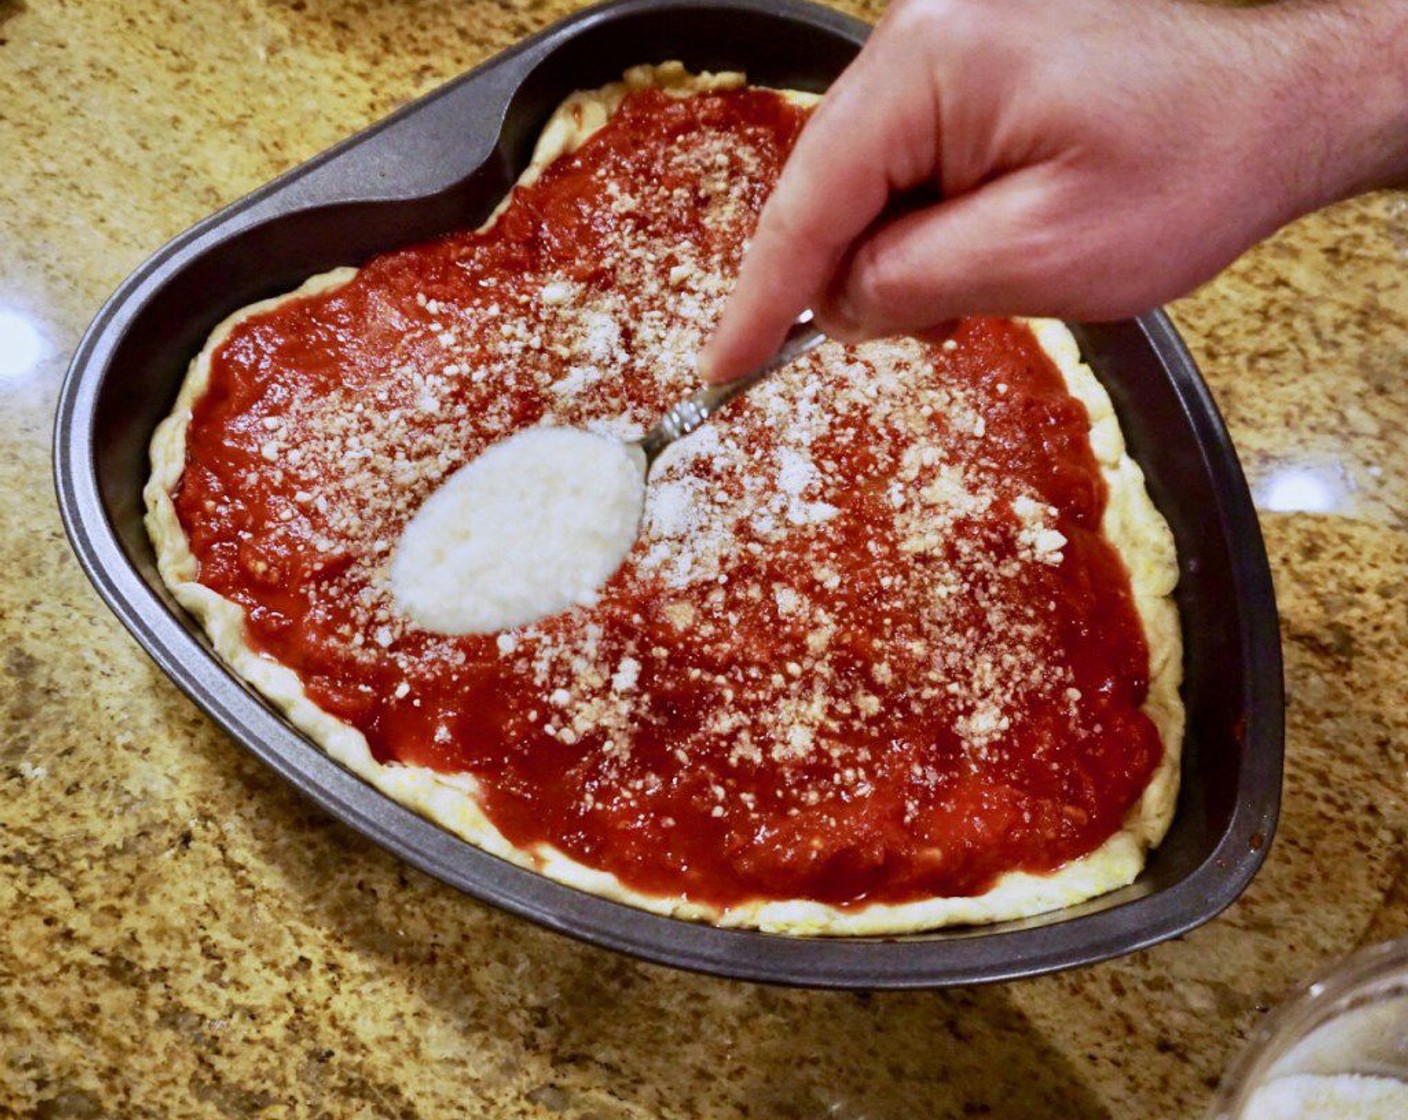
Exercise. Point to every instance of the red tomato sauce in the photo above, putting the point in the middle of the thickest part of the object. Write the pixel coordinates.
(903, 787)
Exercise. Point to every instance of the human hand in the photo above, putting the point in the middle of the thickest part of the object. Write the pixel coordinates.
(1085, 160)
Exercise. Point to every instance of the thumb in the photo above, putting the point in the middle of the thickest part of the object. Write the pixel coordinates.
(986, 252)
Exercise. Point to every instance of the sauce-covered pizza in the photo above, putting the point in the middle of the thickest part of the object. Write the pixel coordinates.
(894, 649)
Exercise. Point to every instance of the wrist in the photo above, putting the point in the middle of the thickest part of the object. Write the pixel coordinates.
(1338, 94)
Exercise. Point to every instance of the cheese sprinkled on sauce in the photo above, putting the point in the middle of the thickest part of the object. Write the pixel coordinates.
(533, 526)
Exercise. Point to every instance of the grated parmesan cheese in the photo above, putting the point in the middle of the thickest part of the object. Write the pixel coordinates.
(533, 526)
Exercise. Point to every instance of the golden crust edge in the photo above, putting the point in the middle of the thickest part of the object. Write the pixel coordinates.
(1131, 522)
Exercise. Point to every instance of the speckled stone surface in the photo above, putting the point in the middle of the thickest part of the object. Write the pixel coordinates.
(183, 935)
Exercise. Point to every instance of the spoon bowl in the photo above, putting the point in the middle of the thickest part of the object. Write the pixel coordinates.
(539, 522)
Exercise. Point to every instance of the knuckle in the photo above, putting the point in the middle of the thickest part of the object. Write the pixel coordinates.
(907, 18)
(928, 23)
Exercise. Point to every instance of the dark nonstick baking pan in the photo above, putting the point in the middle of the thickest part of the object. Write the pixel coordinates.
(441, 164)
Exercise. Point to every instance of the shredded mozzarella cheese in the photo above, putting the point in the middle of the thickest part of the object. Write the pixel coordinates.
(1343, 1096)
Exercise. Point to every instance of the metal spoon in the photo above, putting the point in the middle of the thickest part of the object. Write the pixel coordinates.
(684, 417)
(494, 565)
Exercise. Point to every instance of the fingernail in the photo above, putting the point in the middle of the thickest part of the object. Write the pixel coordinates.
(705, 366)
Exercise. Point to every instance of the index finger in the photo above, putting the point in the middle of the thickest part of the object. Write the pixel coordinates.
(875, 133)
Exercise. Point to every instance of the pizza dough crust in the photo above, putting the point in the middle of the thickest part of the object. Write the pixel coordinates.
(1131, 523)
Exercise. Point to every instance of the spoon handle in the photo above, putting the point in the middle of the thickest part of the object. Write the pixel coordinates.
(688, 414)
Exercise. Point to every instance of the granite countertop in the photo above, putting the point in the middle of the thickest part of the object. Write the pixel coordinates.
(185, 934)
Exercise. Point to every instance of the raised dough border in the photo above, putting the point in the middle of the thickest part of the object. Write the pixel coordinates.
(1131, 523)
